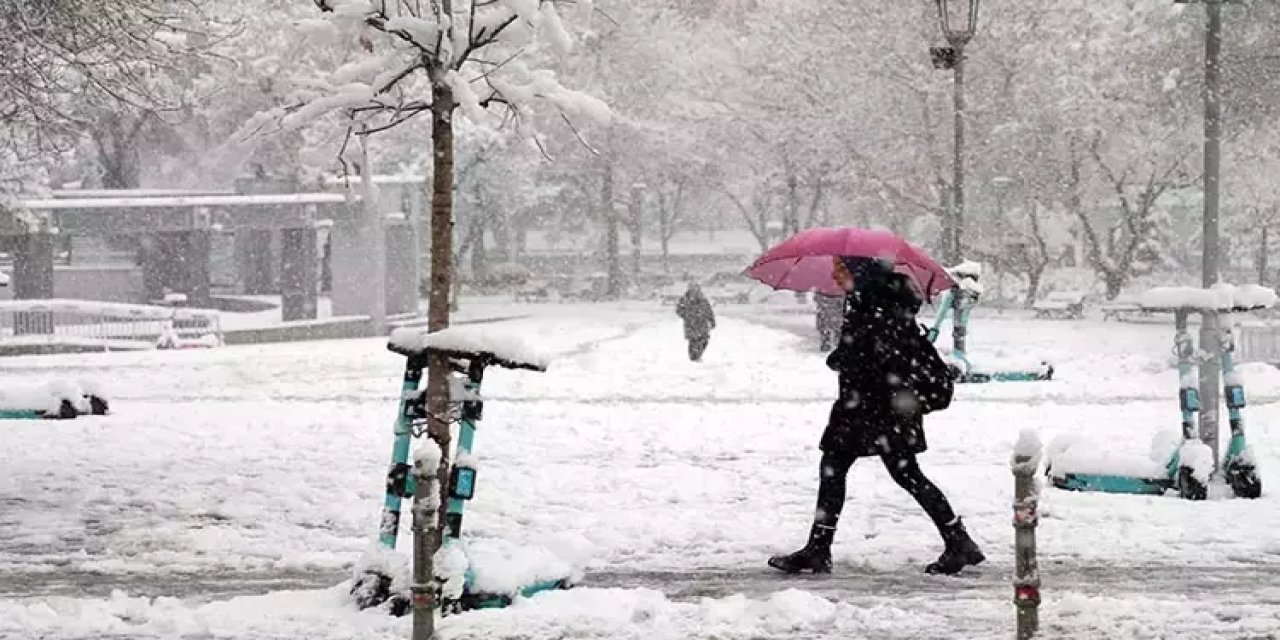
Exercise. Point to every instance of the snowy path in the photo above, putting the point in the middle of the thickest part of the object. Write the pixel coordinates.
(250, 470)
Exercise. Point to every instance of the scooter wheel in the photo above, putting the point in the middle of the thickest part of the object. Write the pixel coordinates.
(1244, 481)
(98, 406)
(1189, 487)
(370, 590)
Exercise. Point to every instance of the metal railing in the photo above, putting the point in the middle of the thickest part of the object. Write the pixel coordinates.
(88, 323)
(1258, 342)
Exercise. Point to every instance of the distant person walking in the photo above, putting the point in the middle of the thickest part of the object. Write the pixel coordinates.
(695, 310)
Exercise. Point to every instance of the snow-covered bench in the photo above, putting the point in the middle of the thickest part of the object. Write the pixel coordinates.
(1063, 304)
(1123, 309)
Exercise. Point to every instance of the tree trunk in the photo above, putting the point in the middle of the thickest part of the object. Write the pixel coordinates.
(479, 256)
(1114, 281)
(500, 223)
(521, 239)
(613, 263)
(636, 227)
(792, 224)
(427, 540)
(1262, 256)
(665, 242)
(1034, 276)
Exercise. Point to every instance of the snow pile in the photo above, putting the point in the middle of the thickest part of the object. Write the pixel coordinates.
(450, 567)
(1164, 444)
(499, 566)
(1069, 454)
(1198, 457)
(471, 339)
(1247, 458)
(1220, 296)
(379, 560)
(171, 339)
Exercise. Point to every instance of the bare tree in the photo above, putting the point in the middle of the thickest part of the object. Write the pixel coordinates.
(1116, 251)
(758, 214)
(670, 195)
(456, 47)
(59, 55)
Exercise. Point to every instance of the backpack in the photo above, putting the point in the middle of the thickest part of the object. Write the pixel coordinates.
(931, 379)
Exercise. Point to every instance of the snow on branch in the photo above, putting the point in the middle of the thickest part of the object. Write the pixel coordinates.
(410, 54)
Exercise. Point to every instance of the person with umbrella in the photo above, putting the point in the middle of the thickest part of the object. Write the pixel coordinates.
(890, 375)
(695, 310)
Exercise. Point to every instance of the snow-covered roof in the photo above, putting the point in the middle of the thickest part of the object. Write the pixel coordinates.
(184, 201)
(1220, 297)
(511, 349)
(136, 193)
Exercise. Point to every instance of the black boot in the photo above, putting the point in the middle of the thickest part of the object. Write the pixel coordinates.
(815, 556)
(961, 550)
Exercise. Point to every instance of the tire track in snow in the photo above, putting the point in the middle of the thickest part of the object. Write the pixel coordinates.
(1243, 583)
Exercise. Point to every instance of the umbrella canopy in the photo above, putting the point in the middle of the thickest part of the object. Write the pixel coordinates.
(803, 261)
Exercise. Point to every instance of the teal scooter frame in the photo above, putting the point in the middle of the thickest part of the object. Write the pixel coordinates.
(1240, 470)
(372, 588)
(959, 302)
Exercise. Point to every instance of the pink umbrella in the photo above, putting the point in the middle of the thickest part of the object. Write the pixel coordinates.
(803, 262)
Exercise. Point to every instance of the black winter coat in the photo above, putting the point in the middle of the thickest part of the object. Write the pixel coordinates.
(875, 413)
(695, 310)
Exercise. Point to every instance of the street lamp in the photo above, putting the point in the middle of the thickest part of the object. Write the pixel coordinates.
(958, 20)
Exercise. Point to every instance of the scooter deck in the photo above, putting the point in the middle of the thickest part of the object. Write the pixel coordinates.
(471, 601)
(1106, 483)
(982, 377)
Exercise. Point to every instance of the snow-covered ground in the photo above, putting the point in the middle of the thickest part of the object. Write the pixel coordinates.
(231, 490)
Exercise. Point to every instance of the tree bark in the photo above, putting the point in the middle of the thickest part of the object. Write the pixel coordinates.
(635, 225)
(1034, 276)
(664, 241)
(613, 265)
(792, 224)
(1262, 255)
(427, 540)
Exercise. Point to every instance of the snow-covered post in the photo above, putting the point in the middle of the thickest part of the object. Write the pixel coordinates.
(1026, 497)
(427, 536)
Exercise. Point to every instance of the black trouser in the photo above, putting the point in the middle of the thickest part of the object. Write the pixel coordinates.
(698, 345)
(904, 470)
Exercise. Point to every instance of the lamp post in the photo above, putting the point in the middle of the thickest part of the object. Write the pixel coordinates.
(958, 20)
(1210, 267)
